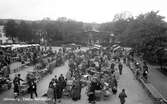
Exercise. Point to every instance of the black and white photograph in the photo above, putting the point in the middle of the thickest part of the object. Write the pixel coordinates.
(83, 52)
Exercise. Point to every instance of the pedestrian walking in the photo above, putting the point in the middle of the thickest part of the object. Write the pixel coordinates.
(16, 83)
(120, 67)
(32, 88)
(51, 93)
(91, 92)
(112, 66)
(76, 90)
(124, 60)
(115, 85)
(16, 86)
(122, 96)
(116, 74)
(59, 90)
(19, 79)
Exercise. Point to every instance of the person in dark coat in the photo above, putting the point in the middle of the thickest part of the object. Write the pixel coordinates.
(115, 85)
(32, 88)
(91, 92)
(124, 60)
(62, 81)
(112, 67)
(120, 67)
(55, 79)
(52, 90)
(59, 90)
(122, 96)
(76, 90)
(16, 85)
(19, 79)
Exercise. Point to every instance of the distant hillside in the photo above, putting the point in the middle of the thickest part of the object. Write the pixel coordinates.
(88, 25)
(3, 21)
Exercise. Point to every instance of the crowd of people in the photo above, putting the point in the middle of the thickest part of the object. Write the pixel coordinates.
(29, 84)
(97, 69)
(137, 65)
(56, 87)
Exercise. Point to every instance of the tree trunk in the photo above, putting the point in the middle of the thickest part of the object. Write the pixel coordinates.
(13, 40)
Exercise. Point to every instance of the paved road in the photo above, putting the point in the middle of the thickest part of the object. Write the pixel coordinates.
(15, 65)
(9, 93)
(42, 87)
(136, 94)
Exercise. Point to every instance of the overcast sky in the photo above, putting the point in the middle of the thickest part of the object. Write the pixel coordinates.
(82, 10)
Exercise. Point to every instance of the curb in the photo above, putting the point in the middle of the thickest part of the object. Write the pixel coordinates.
(157, 97)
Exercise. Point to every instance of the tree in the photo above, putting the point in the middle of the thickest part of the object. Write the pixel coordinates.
(118, 25)
(146, 34)
(11, 28)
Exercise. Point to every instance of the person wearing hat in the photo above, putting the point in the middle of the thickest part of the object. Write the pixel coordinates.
(33, 88)
(52, 90)
(91, 91)
(16, 83)
(19, 79)
(55, 79)
(16, 86)
(122, 96)
(120, 67)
